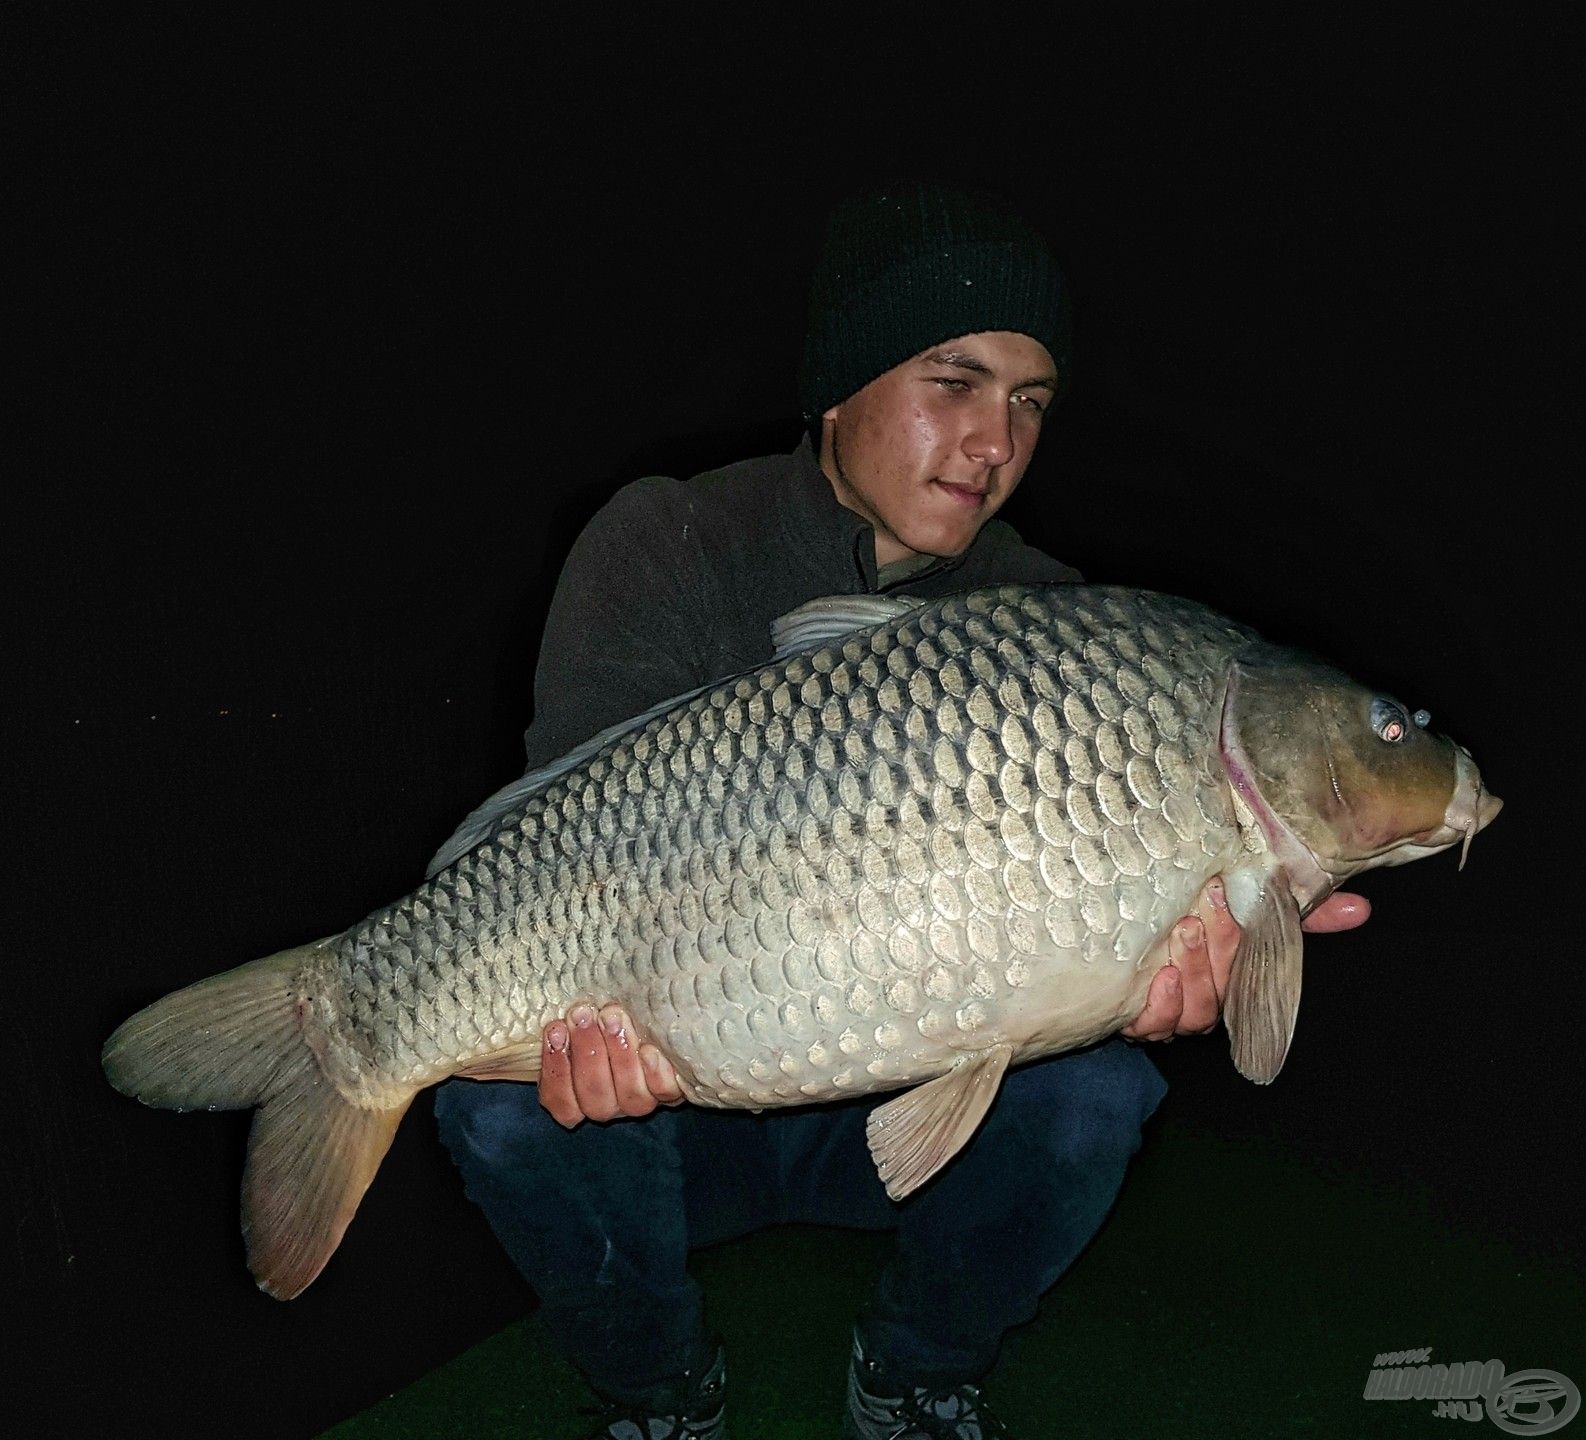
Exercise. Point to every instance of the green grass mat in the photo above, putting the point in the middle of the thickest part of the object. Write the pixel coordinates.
(1235, 1291)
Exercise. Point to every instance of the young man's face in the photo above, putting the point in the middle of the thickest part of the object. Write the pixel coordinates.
(930, 451)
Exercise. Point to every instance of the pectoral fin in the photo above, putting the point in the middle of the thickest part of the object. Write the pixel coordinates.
(912, 1137)
(1264, 989)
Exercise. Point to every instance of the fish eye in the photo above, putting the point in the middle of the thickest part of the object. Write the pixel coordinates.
(1422, 718)
(1389, 721)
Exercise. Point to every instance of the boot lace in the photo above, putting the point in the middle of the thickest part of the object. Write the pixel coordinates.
(622, 1420)
(945, 1416)
(625, 1422)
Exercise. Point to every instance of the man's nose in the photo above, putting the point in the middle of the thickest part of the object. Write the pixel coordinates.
(990, 440)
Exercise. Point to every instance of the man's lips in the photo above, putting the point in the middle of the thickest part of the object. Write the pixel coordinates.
(968, 496)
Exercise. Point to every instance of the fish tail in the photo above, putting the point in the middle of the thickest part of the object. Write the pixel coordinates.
(241, 1039)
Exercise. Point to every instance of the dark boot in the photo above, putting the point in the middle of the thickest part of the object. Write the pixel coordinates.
(691, 1407)
(881, 1407)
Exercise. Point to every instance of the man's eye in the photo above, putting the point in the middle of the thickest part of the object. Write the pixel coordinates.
(1031, 403)
(956, 386)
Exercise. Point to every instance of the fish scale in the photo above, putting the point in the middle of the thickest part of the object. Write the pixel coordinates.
(841, 871)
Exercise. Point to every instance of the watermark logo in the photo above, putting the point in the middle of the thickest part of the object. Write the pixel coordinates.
(1525, 1402)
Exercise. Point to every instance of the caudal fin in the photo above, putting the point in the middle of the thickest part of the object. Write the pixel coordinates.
(237, 1040)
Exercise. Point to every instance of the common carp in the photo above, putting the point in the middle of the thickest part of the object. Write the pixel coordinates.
(926, 841)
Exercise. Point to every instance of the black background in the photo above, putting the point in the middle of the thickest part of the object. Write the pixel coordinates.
(330, 343)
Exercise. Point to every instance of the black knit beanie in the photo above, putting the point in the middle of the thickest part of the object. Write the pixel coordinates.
(912, 264)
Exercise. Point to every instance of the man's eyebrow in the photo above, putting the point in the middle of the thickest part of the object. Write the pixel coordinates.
(964, 361)
(959, 358)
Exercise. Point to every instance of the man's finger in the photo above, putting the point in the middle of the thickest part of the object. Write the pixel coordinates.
(592, 1083)
(1187, 950)
(556, 1077)
(627, 1072)
(1222, 934)
(1339, 911)
(1164, 1003)
(660, 1076)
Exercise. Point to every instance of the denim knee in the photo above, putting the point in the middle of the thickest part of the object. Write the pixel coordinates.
(487, 1125)
(596, 1205)
(1092, 1102)
(1036, 1182)
(593, 1218)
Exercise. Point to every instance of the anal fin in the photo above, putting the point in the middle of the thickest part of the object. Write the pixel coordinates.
(511, 1062)
(1264, 990)
(913, 1136)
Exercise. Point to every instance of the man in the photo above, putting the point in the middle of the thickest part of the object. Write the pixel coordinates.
(938, 342)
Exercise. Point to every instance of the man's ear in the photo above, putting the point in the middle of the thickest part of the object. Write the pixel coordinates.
(823, 434)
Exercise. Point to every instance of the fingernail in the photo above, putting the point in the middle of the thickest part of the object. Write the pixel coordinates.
(652, 1061)
(1218, 897)
(582, 1016)
(1189, 933)
(558, 1039)
(612, 1025)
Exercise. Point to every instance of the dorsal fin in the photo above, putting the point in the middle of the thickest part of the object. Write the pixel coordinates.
(831, 617)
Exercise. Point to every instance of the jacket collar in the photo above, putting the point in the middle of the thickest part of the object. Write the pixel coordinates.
(816, 527)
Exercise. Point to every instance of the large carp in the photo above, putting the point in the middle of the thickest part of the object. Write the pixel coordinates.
(926, 841)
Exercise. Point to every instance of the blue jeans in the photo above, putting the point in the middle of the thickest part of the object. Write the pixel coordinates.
(600, 1219)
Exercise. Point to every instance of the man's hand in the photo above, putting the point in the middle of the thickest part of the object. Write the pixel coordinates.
(1186, 994)
(590, 1068)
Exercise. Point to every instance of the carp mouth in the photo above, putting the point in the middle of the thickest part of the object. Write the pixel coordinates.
(1471, 809)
